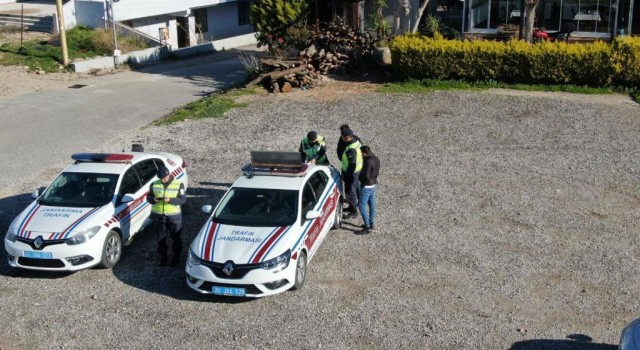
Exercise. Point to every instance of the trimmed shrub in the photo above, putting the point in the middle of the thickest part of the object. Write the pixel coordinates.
(418, 57)
(626, 61)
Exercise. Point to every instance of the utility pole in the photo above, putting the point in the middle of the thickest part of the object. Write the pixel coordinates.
(63, 35)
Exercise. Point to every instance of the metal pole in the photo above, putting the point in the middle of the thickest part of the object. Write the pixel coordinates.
(464, 16)
(116, 52)
(21, 27)
(522, 18)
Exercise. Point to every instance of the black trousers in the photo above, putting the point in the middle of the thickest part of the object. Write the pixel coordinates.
(352, 189)
(164, 230)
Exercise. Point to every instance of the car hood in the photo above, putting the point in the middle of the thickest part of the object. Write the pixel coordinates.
(54, 222)
(240, 244)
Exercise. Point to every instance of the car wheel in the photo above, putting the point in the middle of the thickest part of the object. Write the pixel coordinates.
(301, 271)
(337, 223)
(112, 250)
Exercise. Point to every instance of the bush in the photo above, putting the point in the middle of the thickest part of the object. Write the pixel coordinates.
(626, 60)
(418, 57)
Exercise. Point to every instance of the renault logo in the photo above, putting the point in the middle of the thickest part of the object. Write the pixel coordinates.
(37, 242)
(228, 268)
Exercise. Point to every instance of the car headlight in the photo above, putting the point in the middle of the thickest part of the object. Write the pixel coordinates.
(82, 236)
(11, 235)
(193, 258)
(278, 263)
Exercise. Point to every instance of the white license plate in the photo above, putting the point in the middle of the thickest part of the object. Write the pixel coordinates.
(229, 291)
(38, 255)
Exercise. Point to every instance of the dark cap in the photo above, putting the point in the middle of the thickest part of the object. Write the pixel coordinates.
(163, 172)
(312, 135)
(344, 126)
(347, 132)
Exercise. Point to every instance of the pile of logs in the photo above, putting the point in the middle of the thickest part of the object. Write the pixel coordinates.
(338, 49)
(284, 75)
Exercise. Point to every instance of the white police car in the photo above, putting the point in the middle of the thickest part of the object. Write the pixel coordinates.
(267, 227)
(83, 217)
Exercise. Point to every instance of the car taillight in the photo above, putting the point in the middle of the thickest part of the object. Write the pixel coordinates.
(184, 164)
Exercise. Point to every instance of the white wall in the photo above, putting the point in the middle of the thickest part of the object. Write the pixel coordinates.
(152, 25)
(87, 13)
(129, 9)
(223, 22)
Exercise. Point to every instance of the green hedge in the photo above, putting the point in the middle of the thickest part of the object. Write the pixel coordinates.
(594, 64)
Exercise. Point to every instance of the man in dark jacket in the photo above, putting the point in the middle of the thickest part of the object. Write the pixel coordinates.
(369, 185)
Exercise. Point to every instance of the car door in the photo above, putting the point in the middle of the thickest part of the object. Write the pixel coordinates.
(125, 212)
(314, 197)
(147, 170)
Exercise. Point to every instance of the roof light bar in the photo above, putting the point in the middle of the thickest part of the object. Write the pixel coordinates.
(102, 157)
(275, 163)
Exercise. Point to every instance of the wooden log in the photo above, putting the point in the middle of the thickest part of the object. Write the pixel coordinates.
(286, 87)
(257, 80)
(277, 75)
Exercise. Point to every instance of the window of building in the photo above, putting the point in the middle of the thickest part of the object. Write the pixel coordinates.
(244, 12)
(202, 25)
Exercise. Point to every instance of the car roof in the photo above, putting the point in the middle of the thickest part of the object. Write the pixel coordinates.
(108, 163)
(270, 181)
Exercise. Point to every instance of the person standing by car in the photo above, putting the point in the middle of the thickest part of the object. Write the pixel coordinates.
(167, 195)
(313, 149)
(369, 183)
(351, 166)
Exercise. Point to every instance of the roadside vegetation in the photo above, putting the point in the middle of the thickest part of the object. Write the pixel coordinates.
(212, 106)
(46, 55)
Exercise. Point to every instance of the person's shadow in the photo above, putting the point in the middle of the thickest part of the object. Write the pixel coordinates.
(573, 342)
(138, 265)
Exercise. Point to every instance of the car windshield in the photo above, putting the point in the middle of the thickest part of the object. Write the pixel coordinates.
(257, 207)
(82, 190)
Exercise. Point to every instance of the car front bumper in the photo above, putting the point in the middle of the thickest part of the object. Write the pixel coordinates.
(256, 283)
(59, 257)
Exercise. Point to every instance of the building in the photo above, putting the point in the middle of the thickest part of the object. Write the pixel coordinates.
(588, 18)
(176, 23)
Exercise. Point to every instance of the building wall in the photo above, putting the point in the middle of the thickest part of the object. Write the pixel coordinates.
(152, 26)
(87, 13)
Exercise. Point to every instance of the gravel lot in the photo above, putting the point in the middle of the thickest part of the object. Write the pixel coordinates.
(507, 220)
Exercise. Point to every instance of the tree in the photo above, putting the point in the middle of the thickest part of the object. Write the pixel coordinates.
(419, 16)
(272, 18)
(529, 20)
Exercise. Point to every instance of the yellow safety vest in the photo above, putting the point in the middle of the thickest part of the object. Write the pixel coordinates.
(172, 191)
(359, 161)
(310, 151)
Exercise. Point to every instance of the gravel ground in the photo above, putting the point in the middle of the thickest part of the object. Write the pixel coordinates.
(506, 220)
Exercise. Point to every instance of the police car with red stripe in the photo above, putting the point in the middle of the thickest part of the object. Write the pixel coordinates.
(266, 228)
(86, 214)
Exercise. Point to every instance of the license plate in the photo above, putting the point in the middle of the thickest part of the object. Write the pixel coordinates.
(229, 291)
(38, 255)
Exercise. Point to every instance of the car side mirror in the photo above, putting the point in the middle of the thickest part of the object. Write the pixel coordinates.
(313, 214)
(207, 209)
(36, 193)
(128, 198)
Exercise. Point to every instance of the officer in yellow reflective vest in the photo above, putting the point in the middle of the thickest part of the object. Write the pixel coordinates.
(313, 149)
(351, 166)
(167, 195)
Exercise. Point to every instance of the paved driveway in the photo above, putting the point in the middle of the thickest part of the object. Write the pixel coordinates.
(42, 129)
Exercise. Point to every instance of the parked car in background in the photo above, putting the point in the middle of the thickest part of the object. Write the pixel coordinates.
(86, 214)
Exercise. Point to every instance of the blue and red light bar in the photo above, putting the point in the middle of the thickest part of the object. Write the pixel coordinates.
(102, 157)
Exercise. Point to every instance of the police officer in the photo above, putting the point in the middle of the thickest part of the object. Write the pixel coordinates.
(313, 149)
(341, 144)
(352, 163)
(167, 195)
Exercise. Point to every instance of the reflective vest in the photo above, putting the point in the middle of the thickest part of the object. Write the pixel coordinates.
(359, 160)
(172, 191)
(311, 151)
